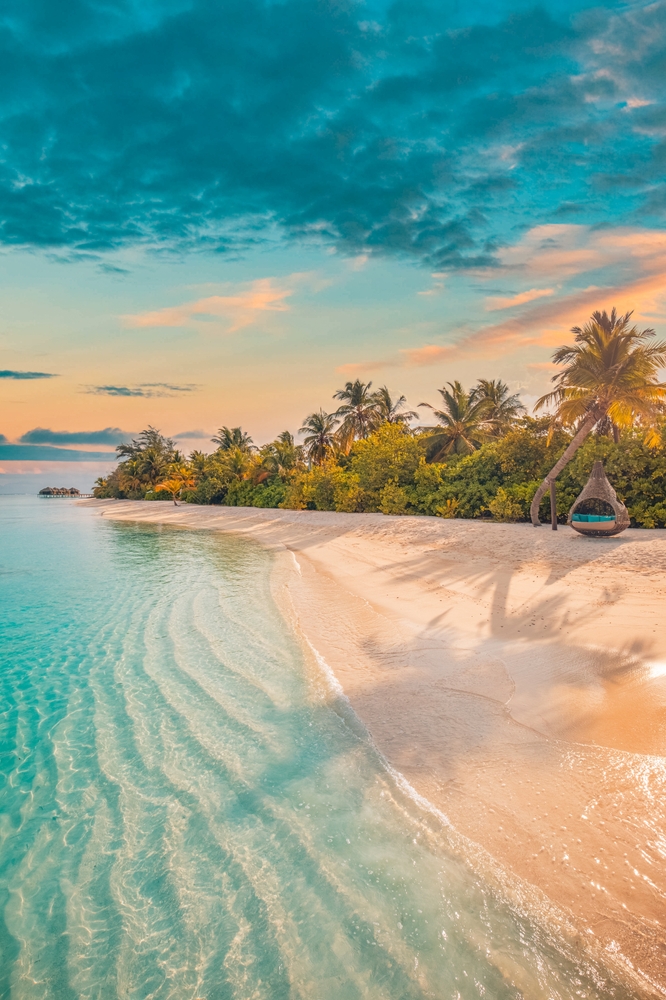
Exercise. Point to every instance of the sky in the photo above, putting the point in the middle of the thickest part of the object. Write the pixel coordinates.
(218, 211)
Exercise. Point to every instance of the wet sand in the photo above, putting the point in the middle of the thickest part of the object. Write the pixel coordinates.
(515, 676)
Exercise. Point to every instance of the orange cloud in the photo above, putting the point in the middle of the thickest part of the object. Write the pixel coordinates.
(562, 251)
(565, 251)
(548, 324)
(240, 310)
(522, 298)
(429, 354)
(631, 275)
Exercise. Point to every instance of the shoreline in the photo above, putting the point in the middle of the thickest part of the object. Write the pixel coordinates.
(515, 678)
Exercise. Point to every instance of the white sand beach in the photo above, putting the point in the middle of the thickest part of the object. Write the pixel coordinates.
(515, 676)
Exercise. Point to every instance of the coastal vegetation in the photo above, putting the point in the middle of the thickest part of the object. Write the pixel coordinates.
(482, 456)
(608, 380)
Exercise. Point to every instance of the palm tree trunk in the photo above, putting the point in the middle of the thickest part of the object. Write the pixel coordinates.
(564, 458)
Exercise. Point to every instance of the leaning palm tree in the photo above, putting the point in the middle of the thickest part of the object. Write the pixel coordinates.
(392, 411)
(461, 423)
(233, 437)
(501, 409)
(319, 429)
(359, 411)
(609, 380)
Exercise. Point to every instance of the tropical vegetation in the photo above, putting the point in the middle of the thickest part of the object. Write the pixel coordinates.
(608, 380)
(482, 455)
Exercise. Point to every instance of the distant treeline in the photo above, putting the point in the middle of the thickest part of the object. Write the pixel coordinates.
(483, 458)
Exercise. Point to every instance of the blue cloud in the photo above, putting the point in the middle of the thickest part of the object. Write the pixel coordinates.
(42, 435)
(147, 390)
(6, 373)
(427, 130)
(190, 436)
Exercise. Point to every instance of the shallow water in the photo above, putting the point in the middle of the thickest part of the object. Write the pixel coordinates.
(187, 810)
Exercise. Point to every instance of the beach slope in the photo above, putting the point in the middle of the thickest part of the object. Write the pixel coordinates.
(515, 676)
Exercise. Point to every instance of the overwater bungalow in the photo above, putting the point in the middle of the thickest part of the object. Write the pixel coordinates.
(59, 491)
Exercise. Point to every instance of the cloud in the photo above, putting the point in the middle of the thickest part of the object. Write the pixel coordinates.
(629, 268)
(499, 302)
(146, 390)
(429, 354)
(46, 453)
(191, 436)
(428, 135)
(6, 373)
(42, 435)
(238, 310)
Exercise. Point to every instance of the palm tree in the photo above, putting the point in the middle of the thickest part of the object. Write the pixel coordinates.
(176, 482)
(237, 462)
(233, 437)
(461, 431)
(153, 462)
(198, 462)
(389, 410)
(359, 411)
(500, 410)
(130, 478)
(608, 378)
(148, 439)
(319, 429)
(281, 456)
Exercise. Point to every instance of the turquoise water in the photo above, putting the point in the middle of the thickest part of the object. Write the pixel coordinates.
(187, 812)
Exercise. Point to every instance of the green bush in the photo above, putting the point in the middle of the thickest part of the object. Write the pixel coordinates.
(393, 499)
(269, 496)
(504, 508)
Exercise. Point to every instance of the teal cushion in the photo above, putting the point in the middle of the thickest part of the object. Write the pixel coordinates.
(593, 517)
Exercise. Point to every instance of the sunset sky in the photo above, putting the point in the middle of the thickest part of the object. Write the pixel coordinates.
(217, 211)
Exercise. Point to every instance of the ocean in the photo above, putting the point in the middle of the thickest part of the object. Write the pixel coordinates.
(189, 810)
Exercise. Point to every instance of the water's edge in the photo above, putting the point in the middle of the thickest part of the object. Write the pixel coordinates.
(191, 809)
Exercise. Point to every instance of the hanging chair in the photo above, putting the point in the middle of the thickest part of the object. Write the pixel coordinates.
(598, 488)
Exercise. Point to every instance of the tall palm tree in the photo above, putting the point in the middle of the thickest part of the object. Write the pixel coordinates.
(148, 439)
(461, 431)
(237, 462)
(281, 456)
(233, 437)
(391, 411)
(609, 377)
(198, 462)
(501, 410)
(153, 462)
(359, 411)
(319, 429)
(129, 474)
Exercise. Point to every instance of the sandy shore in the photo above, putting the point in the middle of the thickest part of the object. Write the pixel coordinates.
(516, 677)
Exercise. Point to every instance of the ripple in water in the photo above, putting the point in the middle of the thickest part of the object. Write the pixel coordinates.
(187, 812)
